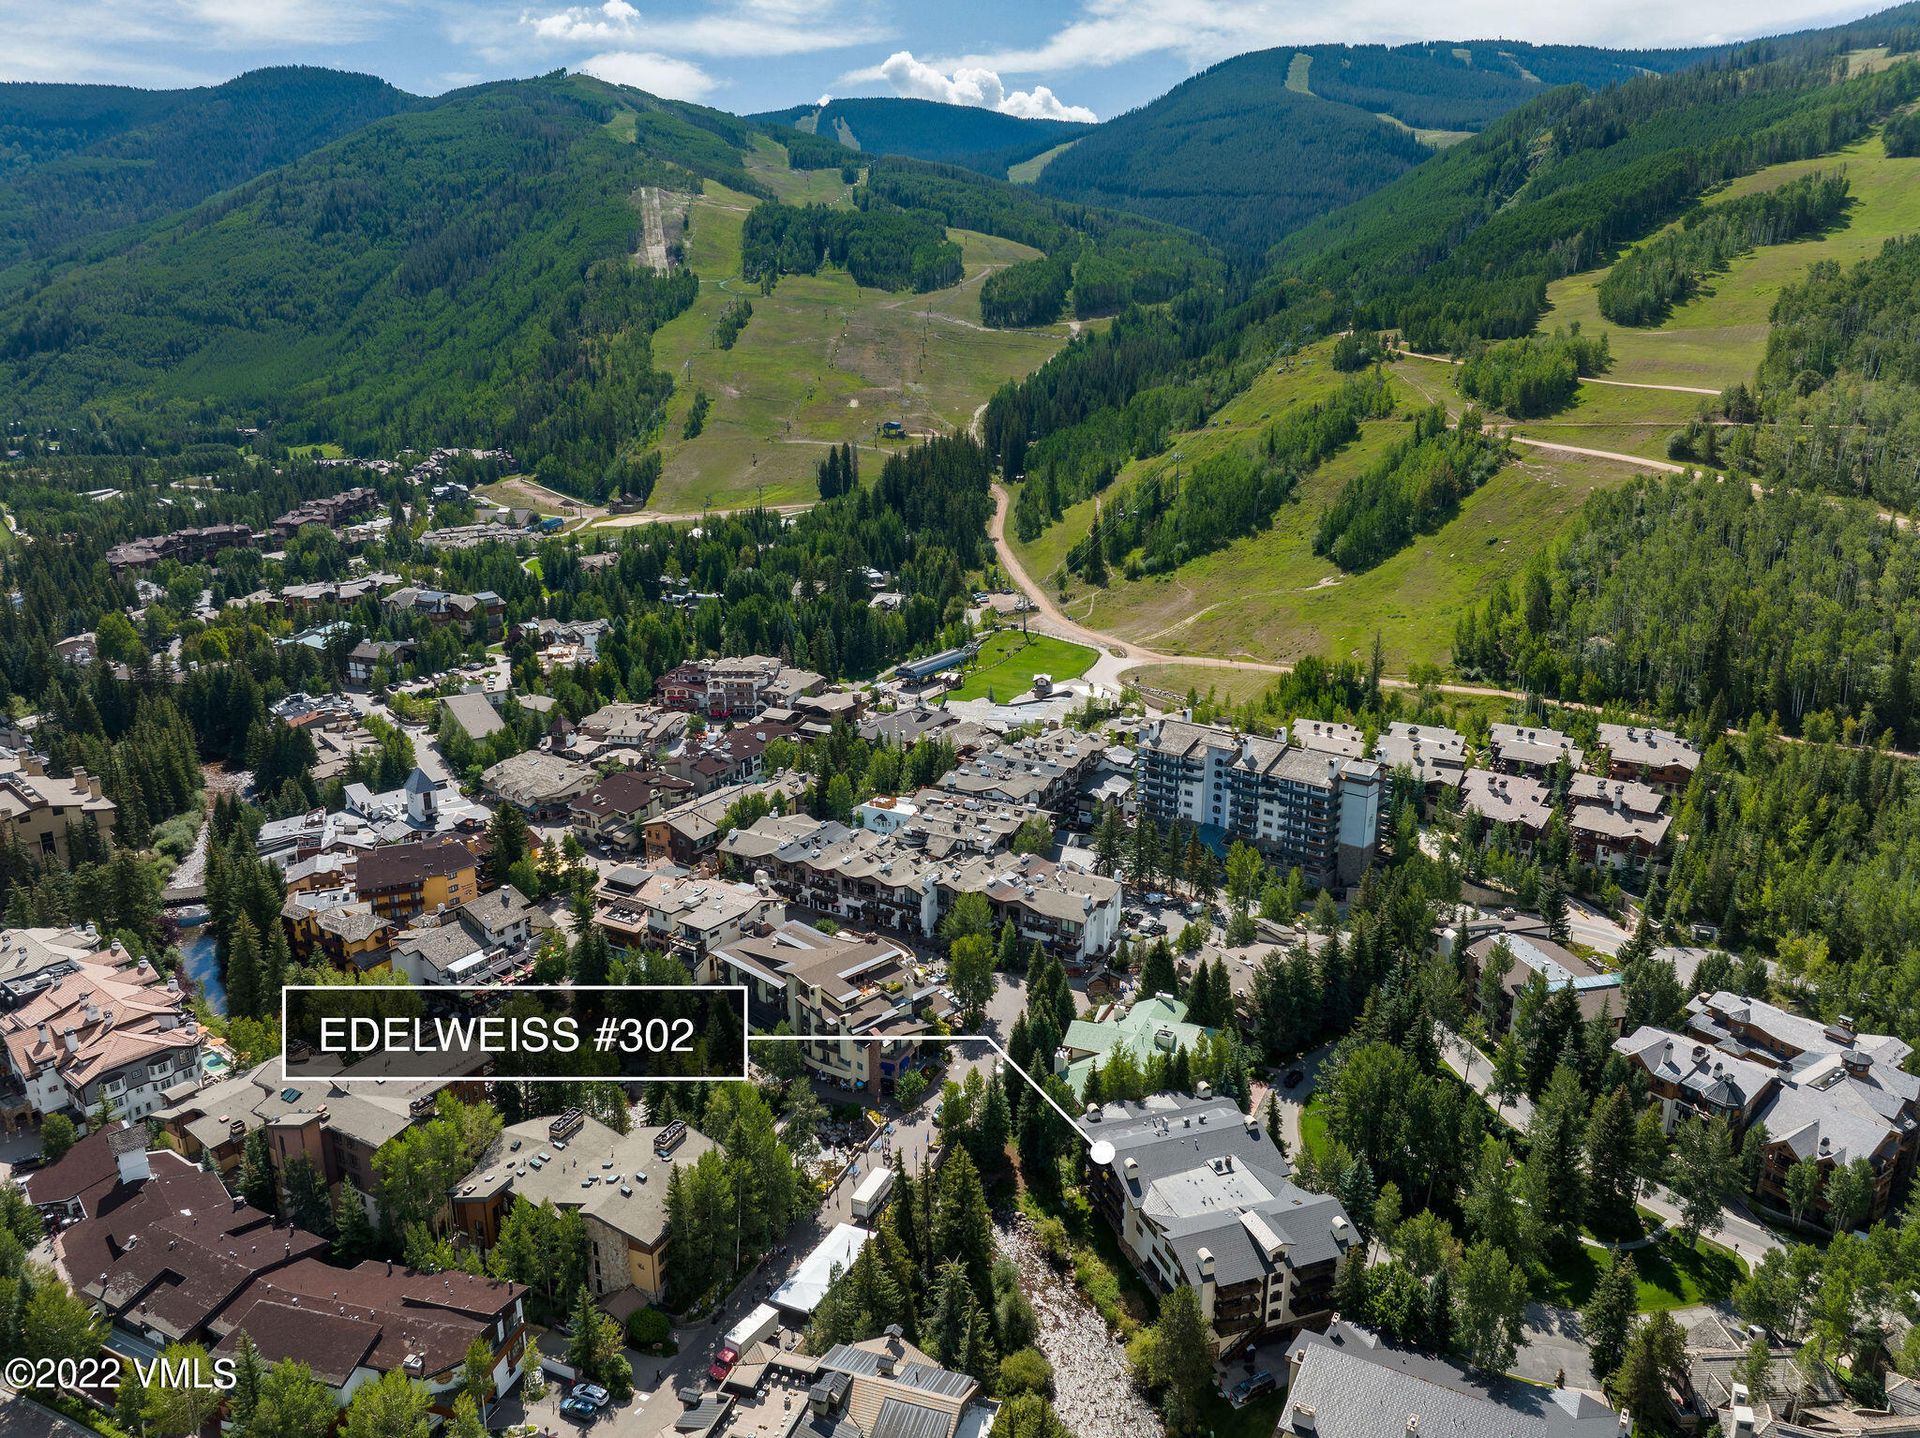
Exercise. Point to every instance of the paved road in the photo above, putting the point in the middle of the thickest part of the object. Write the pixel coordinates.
(1293, 1101)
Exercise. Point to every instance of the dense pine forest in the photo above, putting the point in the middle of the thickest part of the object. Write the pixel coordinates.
(1236, 154)
(887, 248)
(979, 139)
(1462, 249)
(79, 160)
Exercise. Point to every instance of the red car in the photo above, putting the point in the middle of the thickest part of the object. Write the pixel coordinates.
(722, 1364)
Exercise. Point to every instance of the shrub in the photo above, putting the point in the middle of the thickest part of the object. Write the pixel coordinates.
(1025, 1371)
(648, 1329)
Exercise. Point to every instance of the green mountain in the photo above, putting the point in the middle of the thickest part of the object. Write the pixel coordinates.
(1261, 144)
(79, 160)
(460, 273)
(1459, 251)
(982, 140)
(1462, 248)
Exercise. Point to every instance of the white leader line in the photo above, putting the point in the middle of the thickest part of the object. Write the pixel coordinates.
(986, 1039)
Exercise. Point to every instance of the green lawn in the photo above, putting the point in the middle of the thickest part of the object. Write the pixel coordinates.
(822, 361)
(1671, 1275)
(1008, 660)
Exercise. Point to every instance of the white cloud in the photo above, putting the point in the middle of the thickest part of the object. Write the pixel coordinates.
(975, 85)
(1106, 33)
(663, 75)
(738, 29)
(279, 22)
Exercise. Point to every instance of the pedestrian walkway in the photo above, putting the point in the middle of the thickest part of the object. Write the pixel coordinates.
(1476, 1069)
(1737, 1230)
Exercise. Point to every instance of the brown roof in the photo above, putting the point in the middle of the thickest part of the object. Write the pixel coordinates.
(89, 1174)
(401, 866)
(629, 791)
(384, 1311)
(174, 1255)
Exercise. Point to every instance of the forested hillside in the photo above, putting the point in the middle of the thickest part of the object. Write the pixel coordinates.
(1463, 247)
(983, 140)
(1235, 153)
(79, 160)
(457, 274)
(1259, 145)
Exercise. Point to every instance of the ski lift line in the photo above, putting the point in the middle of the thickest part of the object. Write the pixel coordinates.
(986, 1039)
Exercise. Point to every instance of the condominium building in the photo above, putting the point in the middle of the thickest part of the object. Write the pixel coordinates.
(1616, 823)
(39, 809)
(856, 994)
(1529, 749)
(1825, 1092)
(102, 1034)
(1305, 808)
(1658, 756)
(662, 907)
(426, 875)
(742, 685)
(1435, 755)
(885, 881)
(617, 1182)
(1199, 1195)
(1346, 1383)
(166, 1255)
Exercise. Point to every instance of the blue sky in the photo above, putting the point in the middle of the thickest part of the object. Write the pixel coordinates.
(1076, 59)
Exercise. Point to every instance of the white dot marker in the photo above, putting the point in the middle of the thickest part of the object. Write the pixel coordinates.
(1102, 1153)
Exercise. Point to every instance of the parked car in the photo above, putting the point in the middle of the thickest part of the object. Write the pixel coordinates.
(1252, 1387)
(592, 1392)
(577, 1408)
(1294, 1078)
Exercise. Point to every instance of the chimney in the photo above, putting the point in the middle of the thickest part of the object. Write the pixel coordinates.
(73, 1041)
(128, 1145)
(1205, 1256)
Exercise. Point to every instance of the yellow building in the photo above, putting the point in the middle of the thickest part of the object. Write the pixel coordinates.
(618, 1182)
(401, 881)
(39, 809)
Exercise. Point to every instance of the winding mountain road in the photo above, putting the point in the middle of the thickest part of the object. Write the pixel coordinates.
(1118, 655)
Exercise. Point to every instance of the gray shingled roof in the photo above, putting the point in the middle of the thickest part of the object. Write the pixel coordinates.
(1208, 1178)
(1348, 1385)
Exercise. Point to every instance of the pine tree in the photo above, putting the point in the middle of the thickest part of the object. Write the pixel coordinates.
(308, 1203)
(257, 1184)
(248, 1373)
(242, 969)
(1608, 1316)
(1357, 1192)
(1611, 1154)
(1553, 907)
(1157, 975)
(275, 964)
(354, 1238)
